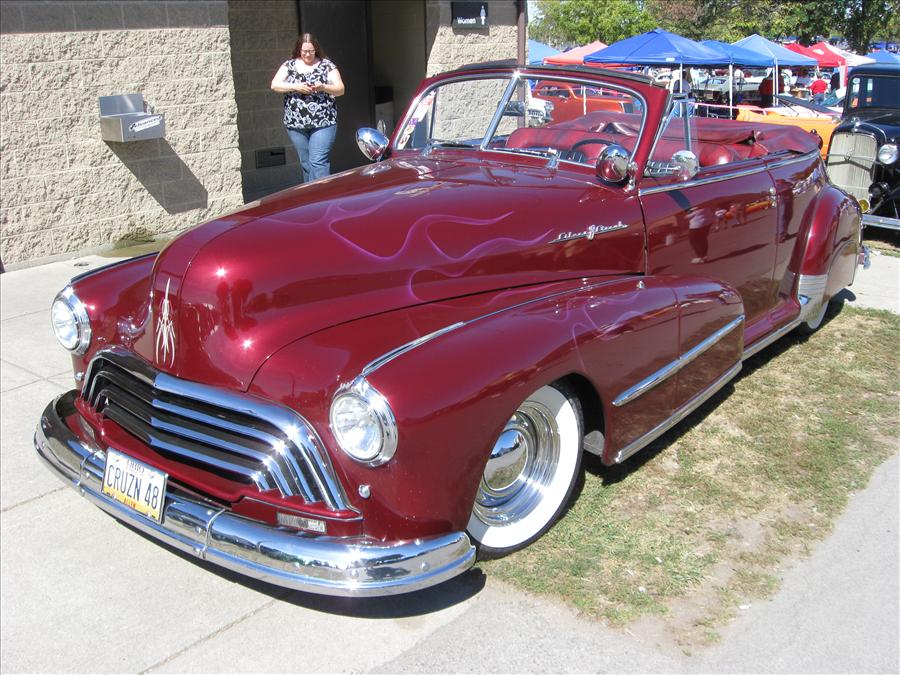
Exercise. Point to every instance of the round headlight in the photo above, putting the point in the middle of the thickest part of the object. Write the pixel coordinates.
(363, 424)
(887, 153)
(70, 321)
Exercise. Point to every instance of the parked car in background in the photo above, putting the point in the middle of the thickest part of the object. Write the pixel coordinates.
(570, 102)
(863, 154)
(796, 112)
(353, 385)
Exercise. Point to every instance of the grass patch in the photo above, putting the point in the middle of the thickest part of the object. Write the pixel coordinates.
(700, 522)
(886, 242)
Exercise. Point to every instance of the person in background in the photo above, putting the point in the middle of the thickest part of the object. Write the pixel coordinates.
(836, 79)
(818, 88)
(310, 82)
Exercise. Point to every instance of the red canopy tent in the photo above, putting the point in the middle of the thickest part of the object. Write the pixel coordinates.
(574, 56)
(825, 57)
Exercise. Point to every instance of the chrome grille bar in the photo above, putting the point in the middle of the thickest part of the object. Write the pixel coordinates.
(238, 436)
(850, 161)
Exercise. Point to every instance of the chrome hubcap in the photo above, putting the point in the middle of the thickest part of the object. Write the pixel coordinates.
(522, 464)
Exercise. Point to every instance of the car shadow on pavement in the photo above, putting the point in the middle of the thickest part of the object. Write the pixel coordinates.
(613, 474)
(426, 601)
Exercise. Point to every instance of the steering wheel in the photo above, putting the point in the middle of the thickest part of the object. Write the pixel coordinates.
(587, 141)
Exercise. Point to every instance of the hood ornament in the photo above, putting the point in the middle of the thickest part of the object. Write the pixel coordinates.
(165, 331)
(589, 233)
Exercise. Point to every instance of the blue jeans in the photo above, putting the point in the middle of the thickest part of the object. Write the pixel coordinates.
(313, 146)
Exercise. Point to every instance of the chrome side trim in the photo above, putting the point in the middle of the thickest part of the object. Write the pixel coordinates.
(342, 566)
(409, 346)
(811, 293)
(793, 160)
(402, 349)
(667, 371)
(679, 415)
(880, 221)
(726, 176)
(766, 340)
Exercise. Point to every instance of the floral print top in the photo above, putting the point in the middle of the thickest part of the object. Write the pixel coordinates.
(309, 111)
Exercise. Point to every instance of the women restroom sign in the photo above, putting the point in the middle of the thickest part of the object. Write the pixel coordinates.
(470, 14)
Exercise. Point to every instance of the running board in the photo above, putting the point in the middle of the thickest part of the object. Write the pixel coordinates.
(679, 415)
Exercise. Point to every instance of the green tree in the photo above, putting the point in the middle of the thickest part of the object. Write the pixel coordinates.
(568, 23)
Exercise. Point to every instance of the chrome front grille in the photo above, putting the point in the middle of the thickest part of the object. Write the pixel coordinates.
(850, 160)
(237, 436)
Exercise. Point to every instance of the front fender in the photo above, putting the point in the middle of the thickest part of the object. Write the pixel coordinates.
(452, 395)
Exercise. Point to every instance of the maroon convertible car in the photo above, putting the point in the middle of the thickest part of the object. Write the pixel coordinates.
(356, 385)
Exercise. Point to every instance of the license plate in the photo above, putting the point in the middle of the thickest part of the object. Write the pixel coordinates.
(135, 484)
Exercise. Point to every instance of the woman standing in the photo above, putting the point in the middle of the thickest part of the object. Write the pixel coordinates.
(310, 82)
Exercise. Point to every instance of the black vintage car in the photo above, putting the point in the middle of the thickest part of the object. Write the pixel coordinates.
(863, 156)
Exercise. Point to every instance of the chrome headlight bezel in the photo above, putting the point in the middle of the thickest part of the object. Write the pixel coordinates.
(887, 153)
(68, 300)
(361, 393)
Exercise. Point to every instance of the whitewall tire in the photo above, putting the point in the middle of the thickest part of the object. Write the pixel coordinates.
(530, 474)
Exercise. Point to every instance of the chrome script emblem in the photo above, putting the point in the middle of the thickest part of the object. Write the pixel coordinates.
(589, 233)
(165, 331)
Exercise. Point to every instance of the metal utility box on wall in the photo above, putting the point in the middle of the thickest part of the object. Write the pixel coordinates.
(123, 118)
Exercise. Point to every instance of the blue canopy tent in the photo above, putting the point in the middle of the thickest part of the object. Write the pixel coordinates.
(781, 56)
(538, 51)
(739, 56)
(658, 48)
(884, 57)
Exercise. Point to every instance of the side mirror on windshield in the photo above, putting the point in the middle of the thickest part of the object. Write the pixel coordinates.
(372, 143)
(612, 165)
(686, 164)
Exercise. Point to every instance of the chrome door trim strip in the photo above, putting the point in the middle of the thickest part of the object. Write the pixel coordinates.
(761, 168)
(667, 371)
(793, 160)
(679, 415)
(727, 176)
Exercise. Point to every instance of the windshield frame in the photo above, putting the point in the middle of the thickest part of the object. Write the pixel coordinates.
(850, 110)
(514, 77)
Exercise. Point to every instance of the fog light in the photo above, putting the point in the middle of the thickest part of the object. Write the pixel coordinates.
(864, 205)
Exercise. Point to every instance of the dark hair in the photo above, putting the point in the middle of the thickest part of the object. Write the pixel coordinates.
(311, 39)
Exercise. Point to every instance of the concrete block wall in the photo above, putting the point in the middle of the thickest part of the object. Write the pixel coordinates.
(263, 33)
(450, 47)
(62, 188)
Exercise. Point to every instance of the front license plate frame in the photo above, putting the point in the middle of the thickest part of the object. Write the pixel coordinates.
(138, 486)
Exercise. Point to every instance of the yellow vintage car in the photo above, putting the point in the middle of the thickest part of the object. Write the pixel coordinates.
(813, 118)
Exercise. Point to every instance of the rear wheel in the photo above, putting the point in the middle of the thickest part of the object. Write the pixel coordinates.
(811, 325)
(530, 474)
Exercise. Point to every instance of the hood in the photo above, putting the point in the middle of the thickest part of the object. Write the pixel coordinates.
(883, 124)
(230, 293)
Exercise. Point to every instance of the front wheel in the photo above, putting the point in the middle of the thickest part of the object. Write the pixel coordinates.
(530, 474)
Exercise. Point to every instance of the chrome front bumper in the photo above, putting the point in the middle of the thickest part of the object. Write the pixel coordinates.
(355, 566)
(869, 220)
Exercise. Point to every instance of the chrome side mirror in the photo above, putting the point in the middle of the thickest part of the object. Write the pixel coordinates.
(686, 164)
(372, 143)
(612, 164)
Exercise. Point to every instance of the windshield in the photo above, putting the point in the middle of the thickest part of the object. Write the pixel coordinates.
(566, 120)
(873, 91)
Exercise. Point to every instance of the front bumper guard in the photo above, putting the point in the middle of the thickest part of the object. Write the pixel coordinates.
(343, 566)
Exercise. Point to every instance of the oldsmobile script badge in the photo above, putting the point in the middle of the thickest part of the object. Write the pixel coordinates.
(165, 331)
(589, 233)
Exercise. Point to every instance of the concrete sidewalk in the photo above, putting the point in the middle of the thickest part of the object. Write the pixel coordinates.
(83, 593)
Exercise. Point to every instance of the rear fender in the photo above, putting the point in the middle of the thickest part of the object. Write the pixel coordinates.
(832, 242)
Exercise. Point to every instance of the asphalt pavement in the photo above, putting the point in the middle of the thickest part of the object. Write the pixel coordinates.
(80, 592)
